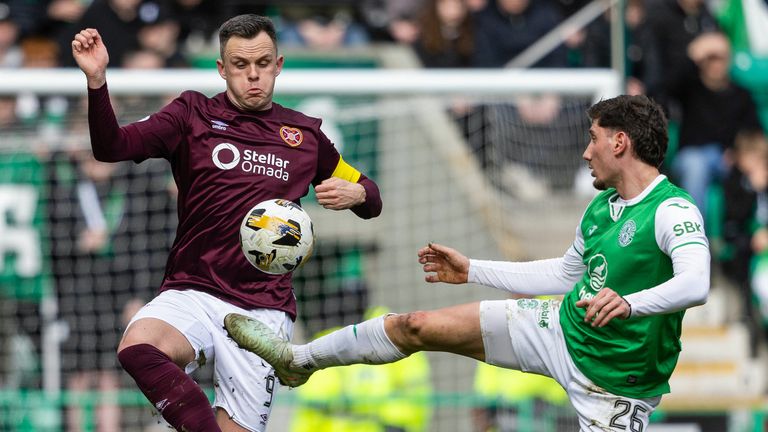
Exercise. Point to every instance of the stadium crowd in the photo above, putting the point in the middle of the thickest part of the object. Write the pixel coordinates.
(679, 52)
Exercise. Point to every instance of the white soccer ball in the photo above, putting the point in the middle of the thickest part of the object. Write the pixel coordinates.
(277, 236)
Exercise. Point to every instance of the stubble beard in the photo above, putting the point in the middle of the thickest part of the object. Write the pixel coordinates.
(599, 185)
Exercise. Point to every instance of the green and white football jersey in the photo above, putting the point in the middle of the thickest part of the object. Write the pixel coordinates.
(627, 247)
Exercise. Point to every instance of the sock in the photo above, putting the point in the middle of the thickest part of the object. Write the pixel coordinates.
(366, 342)
(176, 396)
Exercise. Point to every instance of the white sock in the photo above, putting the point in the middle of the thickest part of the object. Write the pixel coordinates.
(366, 342)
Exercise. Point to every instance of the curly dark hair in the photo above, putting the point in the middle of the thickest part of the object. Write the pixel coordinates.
(246, 26)
(639, 117)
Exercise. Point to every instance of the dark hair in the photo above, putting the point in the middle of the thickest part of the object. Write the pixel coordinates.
(639, 117)
(432, 37)
(246, 26)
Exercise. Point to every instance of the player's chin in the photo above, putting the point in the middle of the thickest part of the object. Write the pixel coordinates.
(255, 105)
(599, 184)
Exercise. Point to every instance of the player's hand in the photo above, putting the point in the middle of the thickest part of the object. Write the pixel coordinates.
(91, 56)
(447, 264)
(338, 194)
(604, 307)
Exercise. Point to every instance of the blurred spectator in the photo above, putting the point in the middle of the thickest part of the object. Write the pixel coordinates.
(446, 39)
(392, 20)
(745, 222)
(143, 59)
(577, 38)
(19, 365)
(24, 277)
(321, 27)
(476, 5)
(506, 28)
(10, 53)
(39, 52)
(745, 21)
(46, 113)
(144, 235)
(27, 14)
(535, 144)
(672, 25)
(199, 23)
(140, 244)
(160, 33)
(85, 206)
(595, 52)
(60, 15)
(639, 47)
(713, 109)
(570, 7)
(118, 22)
(8, 119)
(62, 12)
(518, 401)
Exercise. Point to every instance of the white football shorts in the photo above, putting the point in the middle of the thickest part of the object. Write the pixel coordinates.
(244, 384)
(525, 335)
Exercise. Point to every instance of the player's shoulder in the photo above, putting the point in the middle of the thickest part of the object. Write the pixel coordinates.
(670, 191)
(676, 212)
(295, 118)
(193, 95)
(192, 98)
(675, 205)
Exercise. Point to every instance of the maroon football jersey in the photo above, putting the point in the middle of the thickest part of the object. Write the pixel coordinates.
(224, 161)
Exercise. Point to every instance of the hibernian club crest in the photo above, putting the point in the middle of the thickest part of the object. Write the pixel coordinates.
(598, 272)
(627, 233)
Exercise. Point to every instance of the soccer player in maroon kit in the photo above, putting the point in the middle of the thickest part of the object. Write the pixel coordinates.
(227, 153)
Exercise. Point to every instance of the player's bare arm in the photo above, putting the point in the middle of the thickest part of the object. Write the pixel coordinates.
(447, 264)
(339, 194)
(91, 56)
(604, 307)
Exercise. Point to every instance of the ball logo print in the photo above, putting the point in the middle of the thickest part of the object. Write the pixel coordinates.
(217, 159)
(292, 136)
(277, 236)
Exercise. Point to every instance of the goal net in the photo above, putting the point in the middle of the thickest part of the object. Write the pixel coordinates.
(487, 162)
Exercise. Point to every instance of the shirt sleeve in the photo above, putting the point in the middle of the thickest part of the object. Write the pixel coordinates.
(331, 164)
(541, 277)
(157, 135)
(679, 234)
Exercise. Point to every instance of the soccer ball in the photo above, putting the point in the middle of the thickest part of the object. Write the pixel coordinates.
(277, 236)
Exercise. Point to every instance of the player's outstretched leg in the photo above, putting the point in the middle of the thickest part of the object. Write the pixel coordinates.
(256, 337)
(366, 342)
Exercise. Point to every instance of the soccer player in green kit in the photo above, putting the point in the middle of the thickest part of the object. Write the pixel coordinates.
(639, 259)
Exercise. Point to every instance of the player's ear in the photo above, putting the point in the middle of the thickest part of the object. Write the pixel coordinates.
(220, 67)
(279, 68)
(620, 142)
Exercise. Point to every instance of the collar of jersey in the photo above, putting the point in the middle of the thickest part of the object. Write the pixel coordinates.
(617, 203)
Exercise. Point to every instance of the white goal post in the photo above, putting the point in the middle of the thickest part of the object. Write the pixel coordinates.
(598, 83)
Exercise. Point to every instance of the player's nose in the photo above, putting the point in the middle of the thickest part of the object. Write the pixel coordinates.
(253, 73)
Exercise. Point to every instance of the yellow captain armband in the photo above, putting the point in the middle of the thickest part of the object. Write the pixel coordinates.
(346, 171)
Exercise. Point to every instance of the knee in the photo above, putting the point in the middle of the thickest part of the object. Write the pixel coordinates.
(410, 331)
(134, 344)
(130, 338)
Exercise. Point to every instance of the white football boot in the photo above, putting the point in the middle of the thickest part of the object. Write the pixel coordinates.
(254, 336)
